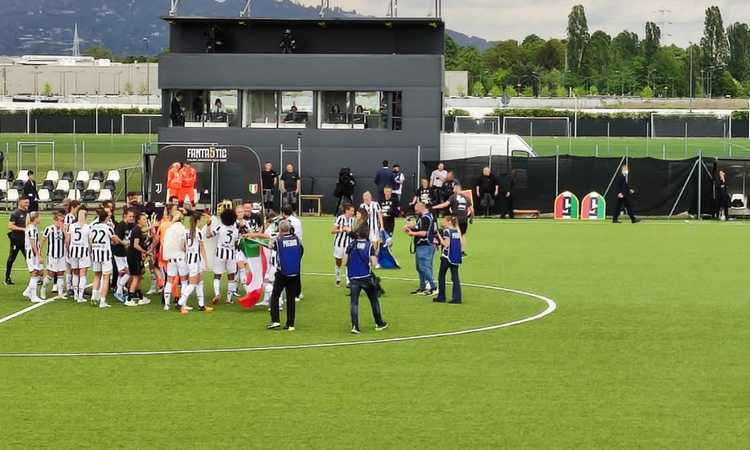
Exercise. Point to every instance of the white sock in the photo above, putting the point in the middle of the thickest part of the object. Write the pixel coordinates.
(338, 273)
(60, 285)
(217, 288)
(186, 294)
(242, 276)
(183, 285)
(81, 287)
(67, 281)
(167, 293)
(231, 289)
(200, 294)
(74, 285)
(122, 281)
(33, 282)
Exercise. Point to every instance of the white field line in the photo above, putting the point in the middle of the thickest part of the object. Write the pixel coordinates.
(551, 306)
(31, 308)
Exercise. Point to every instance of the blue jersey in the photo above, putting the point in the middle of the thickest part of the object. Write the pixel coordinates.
(358, 259)
(452, 252)
(289, 255)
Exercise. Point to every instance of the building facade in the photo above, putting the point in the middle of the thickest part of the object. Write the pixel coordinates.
(355, 91)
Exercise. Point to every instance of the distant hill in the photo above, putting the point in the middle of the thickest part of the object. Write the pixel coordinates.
(46, 26)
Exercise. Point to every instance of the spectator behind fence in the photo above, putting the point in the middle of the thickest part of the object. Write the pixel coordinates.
(383, 178)
(345, 188)
(487, 190)
(29, 191)
(507, 195)
(177, 111)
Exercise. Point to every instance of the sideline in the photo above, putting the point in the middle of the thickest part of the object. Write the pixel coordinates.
(31, 308)
(551, 306)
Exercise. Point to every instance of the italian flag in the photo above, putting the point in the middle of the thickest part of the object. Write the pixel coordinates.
(256, 260)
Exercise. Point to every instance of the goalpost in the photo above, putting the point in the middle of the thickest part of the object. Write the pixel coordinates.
(124, 116)
(537, 126)
(683, 124)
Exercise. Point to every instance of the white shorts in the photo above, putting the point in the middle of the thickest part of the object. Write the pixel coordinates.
(339, 252)
(222, 266)
(374, 235)
(56, 264)
(122, 263)
(177, 267)
(80, 263)
(102, 267)
(33, 264)
(195, 269)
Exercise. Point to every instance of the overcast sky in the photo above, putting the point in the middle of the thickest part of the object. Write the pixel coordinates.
(504, 19)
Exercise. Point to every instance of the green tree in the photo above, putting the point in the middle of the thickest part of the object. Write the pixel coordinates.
(652, 41)
(511, 92)
(451, 53)
(477, 89)
(560, 92)
(502, 55)
(625, 46)
(647, 92)
(578, 38)
(599, 57)
(98, 52)
(496, 91)
(47, 89)
(545, 92)
(551, 55)
(714, 41)
(738, 35)
(593, 90)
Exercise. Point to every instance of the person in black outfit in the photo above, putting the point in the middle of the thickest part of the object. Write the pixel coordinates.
(507, 196)
(291, 187)
(446, 192)
(16, 230)
(345, 188)
(177, 111)
(722, 196)
(2, 161)
(270, 180)
(390, 208)
(383, 178)
(487, 190)
(623, 192)
(425, 195)
(29, 191)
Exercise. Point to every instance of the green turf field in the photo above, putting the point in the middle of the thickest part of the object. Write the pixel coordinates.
(648, 349)
(662, 148)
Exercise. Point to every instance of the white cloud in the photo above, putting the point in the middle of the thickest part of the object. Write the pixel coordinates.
(505, 19)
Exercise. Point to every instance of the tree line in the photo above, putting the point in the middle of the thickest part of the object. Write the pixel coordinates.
(586, 63)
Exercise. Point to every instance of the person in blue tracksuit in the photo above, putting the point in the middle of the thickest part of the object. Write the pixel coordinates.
(289, 253)
(451, 244)
(361, 278)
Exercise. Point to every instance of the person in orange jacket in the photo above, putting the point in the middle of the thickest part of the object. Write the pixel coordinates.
(174, 182)
(188, 177)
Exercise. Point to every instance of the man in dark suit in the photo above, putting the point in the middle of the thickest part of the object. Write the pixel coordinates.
(623, 191)
(29, 191)
(383, 178)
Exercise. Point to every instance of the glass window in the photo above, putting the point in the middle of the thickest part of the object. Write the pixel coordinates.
(263, 107)
(335, 109)
(221, 108)
(296, 109)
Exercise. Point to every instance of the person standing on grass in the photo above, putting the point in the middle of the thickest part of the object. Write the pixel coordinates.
(195, 255)
(16, 229)
(121, 241)
(70, 218)
(289, 252)
(342, 230)
(225, 259)
(437, 179)
(722, 196)
(79, 254)
(29, 191)
(101, 257)
(54, 238)
(290, 187)
(423, 232)
(459, 207)
(359, 255)
(270, 181)
(487, 190)
(383, 178)
(34, 258)
(174, 253)
(451, 243)
(390, 209)
(624, 193)
(137, 252)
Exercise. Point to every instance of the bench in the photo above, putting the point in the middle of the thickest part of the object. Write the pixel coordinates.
(526, 213)
(313, 211)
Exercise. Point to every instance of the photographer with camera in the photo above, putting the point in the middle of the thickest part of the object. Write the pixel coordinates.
(424, 233)
(359, 270)
(345, 188)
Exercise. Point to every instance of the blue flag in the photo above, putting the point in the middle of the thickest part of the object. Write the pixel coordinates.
(385, 258)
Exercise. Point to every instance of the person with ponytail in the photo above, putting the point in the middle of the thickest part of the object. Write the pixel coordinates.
(451, 243)
(79, 254)
(137, 252)
(195, 259)
(101, 257)
(34, 257)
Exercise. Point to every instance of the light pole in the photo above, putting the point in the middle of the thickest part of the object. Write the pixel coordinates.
(148, 71)
(691, 76)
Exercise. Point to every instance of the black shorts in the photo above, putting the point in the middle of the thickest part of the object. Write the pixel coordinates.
(135, 265)
(463, 225)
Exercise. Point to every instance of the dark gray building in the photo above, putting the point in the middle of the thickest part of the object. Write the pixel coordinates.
(357, 91)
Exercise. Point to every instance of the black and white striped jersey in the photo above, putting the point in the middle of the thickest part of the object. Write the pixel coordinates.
(32, 238)
(79, 246)
(193, 246)
(342, 238)
(373, 213)
(70, 219)
(55, 242)
(226, 241)
(100, 237)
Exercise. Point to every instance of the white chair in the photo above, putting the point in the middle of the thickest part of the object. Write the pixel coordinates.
(104, 195)
(23, 175)
(74, 194)
(53, 176)
(44, 196)
(3, 185)
(63, 185)
(83, 175)
(738, 198)
(12, 195)
(113, 175)
(92, 191)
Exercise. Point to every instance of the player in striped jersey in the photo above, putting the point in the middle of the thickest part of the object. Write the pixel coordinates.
(79, 254)
(195, 257)
(54, 237)
(342, 230)
(375, 220)
(225, 260)
(174, 253)
(70, 218)
(100, 238)
(34, 258)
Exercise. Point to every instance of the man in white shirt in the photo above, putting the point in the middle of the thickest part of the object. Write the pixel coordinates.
(437, 180)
